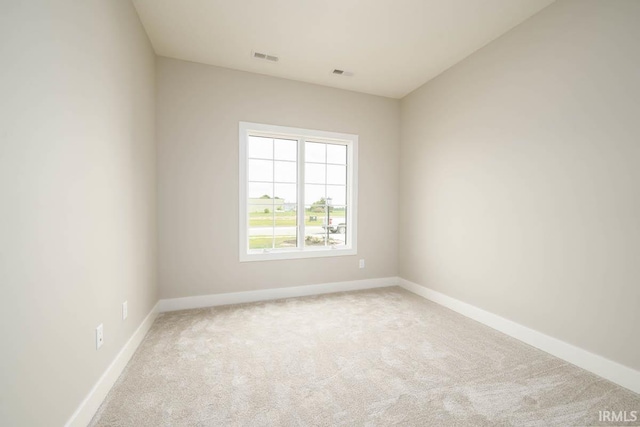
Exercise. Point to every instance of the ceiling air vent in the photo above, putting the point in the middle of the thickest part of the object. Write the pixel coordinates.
(264, 56)
(342, 73)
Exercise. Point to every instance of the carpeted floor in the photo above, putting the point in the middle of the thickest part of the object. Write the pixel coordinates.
(377, 357)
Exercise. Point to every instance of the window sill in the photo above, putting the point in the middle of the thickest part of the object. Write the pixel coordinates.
(276, 255)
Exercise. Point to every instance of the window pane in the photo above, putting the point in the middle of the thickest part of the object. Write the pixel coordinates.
(260, 214)
(286, 232)
(337, 154)
(261, 219)
(260, 148)
(285, 172)
(261, 242)
(286, 195)
(315, 220)
(313, 217)
(337, 194)
(315, 152)
(260, 170)
(338, 225)
(261, 192)
(315, 174)
(336, 174)
(286, 149)
(314, 194)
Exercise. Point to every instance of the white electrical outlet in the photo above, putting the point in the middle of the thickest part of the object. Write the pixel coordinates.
(99, 336)
(125, 310)
(361, 265)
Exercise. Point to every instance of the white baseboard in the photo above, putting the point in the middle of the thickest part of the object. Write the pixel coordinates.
(605, 368)
(201, 301)
(87, 409)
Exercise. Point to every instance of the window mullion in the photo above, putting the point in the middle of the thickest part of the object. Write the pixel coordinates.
(273, 194)
(326, 200)
(300, 204)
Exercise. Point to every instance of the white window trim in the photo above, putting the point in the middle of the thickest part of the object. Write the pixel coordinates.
(350, 140)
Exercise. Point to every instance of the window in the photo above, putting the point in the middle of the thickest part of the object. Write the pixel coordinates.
(298, 193)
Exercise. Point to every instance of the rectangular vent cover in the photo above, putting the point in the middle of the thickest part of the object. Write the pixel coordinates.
(344, 73)
(265, 56)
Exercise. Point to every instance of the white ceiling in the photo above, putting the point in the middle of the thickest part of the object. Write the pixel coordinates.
(391, 46)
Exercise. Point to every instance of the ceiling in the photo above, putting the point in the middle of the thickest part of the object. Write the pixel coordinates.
(391, 46)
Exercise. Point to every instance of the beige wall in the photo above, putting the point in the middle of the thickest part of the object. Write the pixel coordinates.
(520, 177)
(77, 198)
(198, 111)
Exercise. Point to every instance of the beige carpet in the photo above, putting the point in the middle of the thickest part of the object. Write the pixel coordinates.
(376, 358)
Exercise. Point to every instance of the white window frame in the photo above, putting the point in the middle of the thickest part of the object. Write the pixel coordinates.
(301, 135)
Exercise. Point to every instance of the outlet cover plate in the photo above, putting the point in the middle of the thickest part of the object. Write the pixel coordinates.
(99, 336)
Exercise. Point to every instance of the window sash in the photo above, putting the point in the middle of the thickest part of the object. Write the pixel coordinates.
(301, 136)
